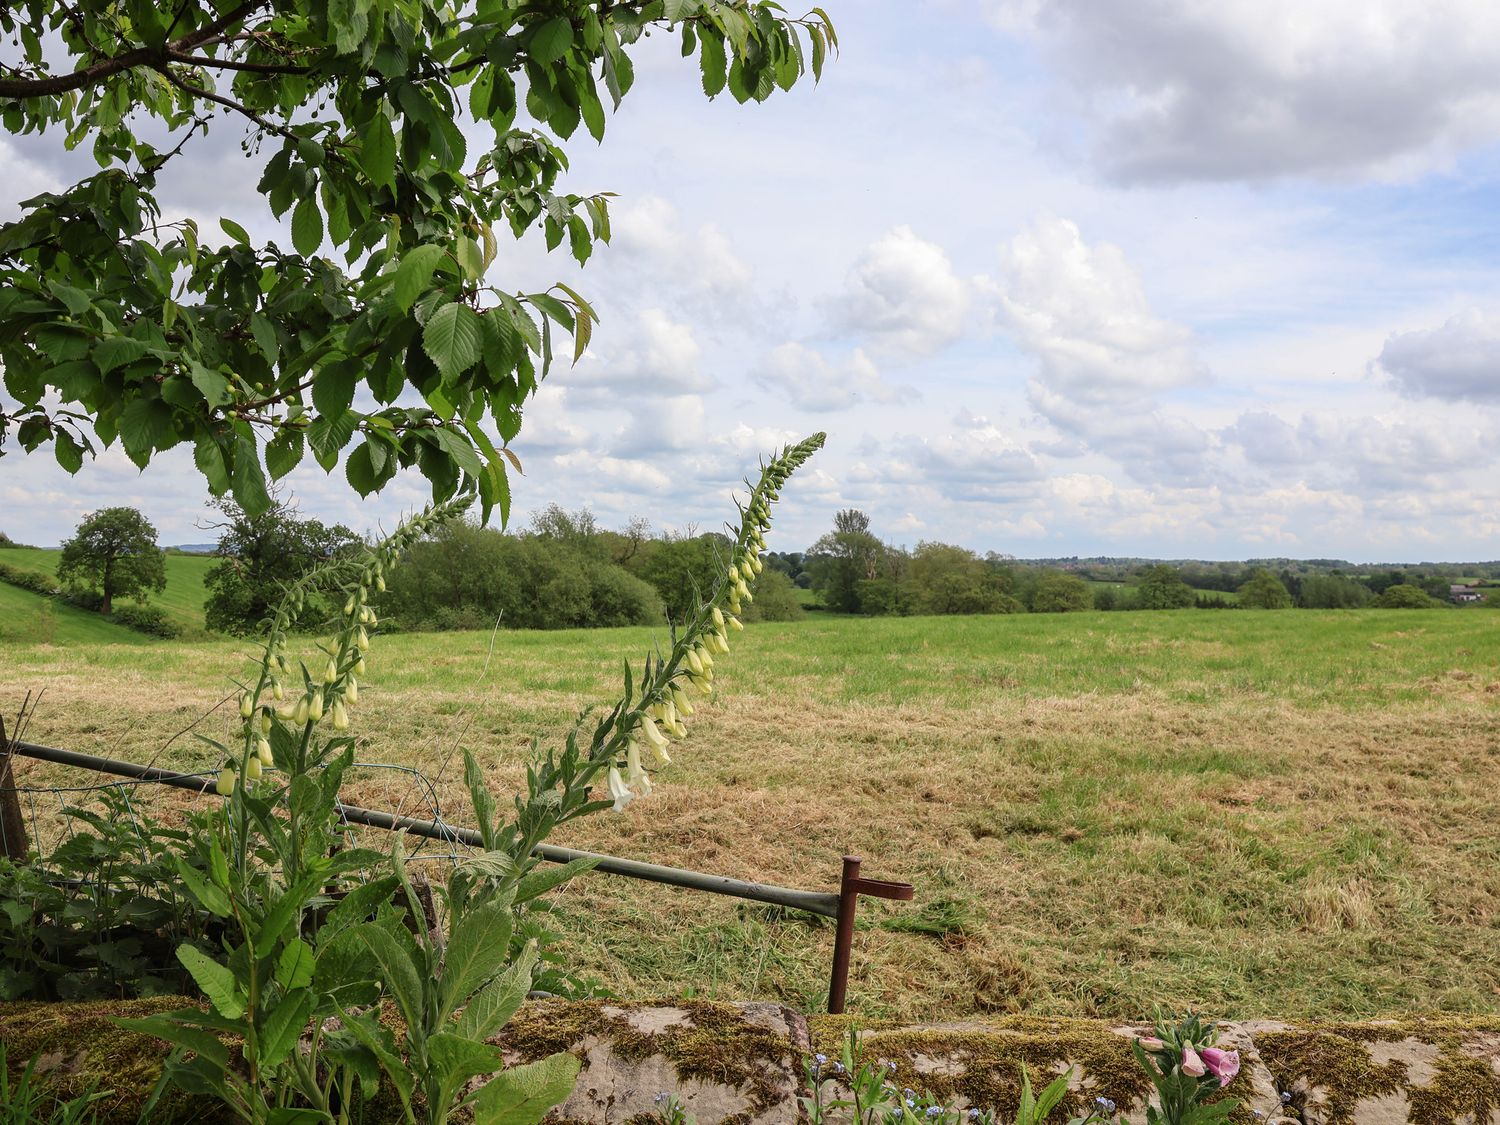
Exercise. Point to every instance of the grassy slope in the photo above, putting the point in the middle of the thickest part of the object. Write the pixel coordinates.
(1283, 814)
(182, 599)
(28, 619)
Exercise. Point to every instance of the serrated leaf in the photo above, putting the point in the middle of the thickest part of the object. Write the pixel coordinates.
(212, 385)
(307, 226)
(294, 968)
(550, 40)
(333, 388)
(216, 981)
(377, 156)
(235, 231)
(492, 1007)
(284, 1025)
(414, 273)
(397, 970)
(522, 1095)
(283, 453)
(451, 339)
(116, 351)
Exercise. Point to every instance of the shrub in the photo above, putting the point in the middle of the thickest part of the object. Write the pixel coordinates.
(33, 580)
(1060, 593)
(1332, 591)
(1404, 596)
(775, 598)
(149, 619)
(1264, 591)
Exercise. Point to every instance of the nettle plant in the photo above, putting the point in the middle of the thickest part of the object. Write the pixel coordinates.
(377, 337)
(318, 937)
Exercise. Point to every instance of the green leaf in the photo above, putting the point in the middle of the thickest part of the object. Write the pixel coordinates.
(675, 10)
(208, 896)
(711, 59)
(550, 40)
(456, 1060)
(216, 981)
(294, 968)
(265, 336)
(283, 453)
(522, 1095)
(492, 1007)
(68, 452)
(329, 434)
(116, 351)
(470, 258)
(235, 231)
(307, 226)
(284, 1025)
(451, 339)
(477, 950)
(398, 970)
(333, 388)
(213, 386)
(414, 273)
(377, 156)
(209, 458)
(145, 426)
(247, 480)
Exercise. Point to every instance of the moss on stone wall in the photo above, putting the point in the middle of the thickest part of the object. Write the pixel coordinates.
(78, 1048)
(713, 1043)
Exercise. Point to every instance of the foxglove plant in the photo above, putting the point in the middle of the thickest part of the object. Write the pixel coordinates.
(318, 938)
(1185, 1067)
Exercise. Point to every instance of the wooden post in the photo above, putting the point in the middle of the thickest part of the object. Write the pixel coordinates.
(13, 843)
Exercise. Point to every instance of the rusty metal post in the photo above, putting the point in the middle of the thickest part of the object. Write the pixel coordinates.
(843, 935)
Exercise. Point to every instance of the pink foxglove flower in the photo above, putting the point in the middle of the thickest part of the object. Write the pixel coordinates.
(1192, 1065)
(1150, 1043)
(1223, 1065)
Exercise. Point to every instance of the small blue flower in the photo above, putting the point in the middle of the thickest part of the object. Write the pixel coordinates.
(911, 1103)
(1105, 1104)
(934, 1110)
(974, 1115)
(838, 1068)
(662, 1097)
(820, 1059)
(1286, 1098)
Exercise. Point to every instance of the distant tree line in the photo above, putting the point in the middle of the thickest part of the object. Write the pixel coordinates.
(565, 572)
(852, 570)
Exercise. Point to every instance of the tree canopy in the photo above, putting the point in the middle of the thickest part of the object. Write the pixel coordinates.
(113, 554)
(258, 556)
(376, 336)
(1263, 590)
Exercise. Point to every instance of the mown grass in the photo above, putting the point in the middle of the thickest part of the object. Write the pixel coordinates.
(1276, 814)
(182, 599)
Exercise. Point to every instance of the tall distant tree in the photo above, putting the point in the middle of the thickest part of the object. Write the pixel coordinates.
(1061, 593)
(376, 333)
(846, 556)
(258, 556)
(113, 554)
(1161, 588)
(1264, 590)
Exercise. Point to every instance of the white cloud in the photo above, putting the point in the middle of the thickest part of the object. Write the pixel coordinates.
(1181, 90)
(1082, 311)
(657, 356)
(903, 293)
(1459, 360)
(649, 229)
(811, 382)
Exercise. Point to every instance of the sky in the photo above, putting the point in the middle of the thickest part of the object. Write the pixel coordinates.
(1167, 279)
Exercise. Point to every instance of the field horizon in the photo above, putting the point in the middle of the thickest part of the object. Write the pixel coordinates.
(1260, 814)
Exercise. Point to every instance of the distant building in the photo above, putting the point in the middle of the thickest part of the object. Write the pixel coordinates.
(1459, 593)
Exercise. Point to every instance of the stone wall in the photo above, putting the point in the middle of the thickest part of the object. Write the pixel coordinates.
(742, 1063)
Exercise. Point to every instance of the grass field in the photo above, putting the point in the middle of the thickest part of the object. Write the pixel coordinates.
(1276, 814)
(182, 599)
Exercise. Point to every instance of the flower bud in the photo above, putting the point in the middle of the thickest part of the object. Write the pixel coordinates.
(681, 701)
(247, 705)
(340, 715)
(315, 706)
(718, 618)
(361, 640)
(351, 691)
(331, 671)
(694, 662)
(224, 786)
(299, 713)
(359, 666)
(705, 657)
(253, 769)
(349, 606)
(287, 714)
(263, 752)
(265, 722)
(277, 691)
(736, 624)
(380, 583)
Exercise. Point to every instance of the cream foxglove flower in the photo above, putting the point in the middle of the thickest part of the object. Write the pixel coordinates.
(618, 790)
(736, 624)
(224, 786)
(718, 618)
(694, 662)
(635, 776)
(340, 715)
(681, 701)
(263, 752)
(253, 769)
(351, 692)
(315, 706)
(330, 671)
(655, 739)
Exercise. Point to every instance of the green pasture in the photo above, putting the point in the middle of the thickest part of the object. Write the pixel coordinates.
(1282, 814)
